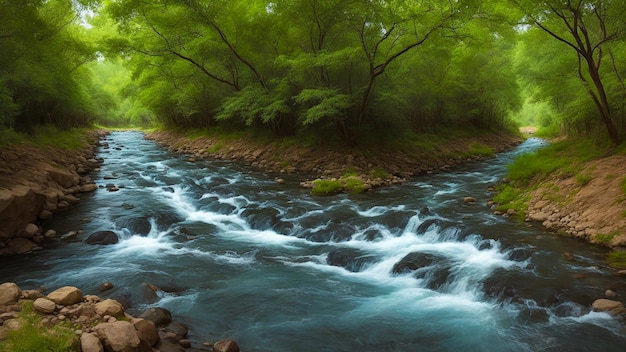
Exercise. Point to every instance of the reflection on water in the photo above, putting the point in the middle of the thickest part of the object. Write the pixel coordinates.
(240, 256)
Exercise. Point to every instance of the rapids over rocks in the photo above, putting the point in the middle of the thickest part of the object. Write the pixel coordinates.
(276, 269)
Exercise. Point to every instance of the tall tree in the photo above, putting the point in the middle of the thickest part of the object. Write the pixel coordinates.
(588, 27)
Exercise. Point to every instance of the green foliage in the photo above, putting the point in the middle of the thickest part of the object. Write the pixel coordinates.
(353, 184)
(604, 238)
(617, 259)
(380, 173)
(481, 150)
(326, 187)
(510, 197)
(34, 336)
(583, 179)
(9, 137)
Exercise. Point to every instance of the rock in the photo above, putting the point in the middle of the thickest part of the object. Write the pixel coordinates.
(607, 305)
(21, 245)
(610, 293)
(9, 293)
(469, 200)
(50, 234)
(44, 305)
(32, 294)
(227, 345)
(280, 181)
(66, 296)
(169, 346)
(119, 336)
(102, 238)
(90, 343)
(45, 215)
(88, 187)
(105, 286)
(146, 330)
(110, 307)
(177, 328)
(538, 217)
(159, 316)
(185, 343)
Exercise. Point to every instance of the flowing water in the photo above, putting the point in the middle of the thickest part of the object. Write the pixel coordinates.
(238, 255)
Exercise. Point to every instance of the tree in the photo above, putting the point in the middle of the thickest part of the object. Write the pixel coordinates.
(589, 27)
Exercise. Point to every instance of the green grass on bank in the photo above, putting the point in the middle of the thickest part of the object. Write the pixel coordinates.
(563, 158)
(46, 135)
(34, 336)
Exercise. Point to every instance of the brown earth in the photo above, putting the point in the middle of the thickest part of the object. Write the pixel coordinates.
(36, 181)
(326, 162)
(594, 210)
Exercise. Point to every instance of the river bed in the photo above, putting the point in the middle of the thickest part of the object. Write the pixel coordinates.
(401, 268)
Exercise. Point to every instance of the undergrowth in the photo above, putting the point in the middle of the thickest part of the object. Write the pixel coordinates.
(34, 336)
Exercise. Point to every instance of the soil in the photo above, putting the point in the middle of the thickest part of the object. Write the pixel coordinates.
(328, 163)
(593, 209)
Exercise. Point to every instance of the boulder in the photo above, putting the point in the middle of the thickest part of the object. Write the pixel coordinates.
(159, 316)
(90, 343)
(32, 294)
(45, 215)
(66, 296)
(44, 305)
(20, 245)
(607, 305)
(146, 330)
(110, 307)
(227, 345)
(105, 286)
(469, 200)
(88, 187)
(119, 336)
(538, 217)
(178, 328)
(9, 293)
(103, 238)
(29, 231)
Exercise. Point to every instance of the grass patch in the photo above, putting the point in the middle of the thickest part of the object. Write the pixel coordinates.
(47, 135)
(617, 259)
(380, 173)
(604, 238)
(34, 336)
(215, 148)
(510, 197)
(9, 137)
(326, 187)
(481, 150)
(353, 185)
(583, 179)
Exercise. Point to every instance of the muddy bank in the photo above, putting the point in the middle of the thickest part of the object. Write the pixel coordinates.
(36, 182)
(375, 167)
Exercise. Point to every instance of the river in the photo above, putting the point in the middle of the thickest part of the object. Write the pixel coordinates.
(240, 256)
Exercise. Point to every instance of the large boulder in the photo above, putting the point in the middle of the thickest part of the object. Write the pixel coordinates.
(159, 316)
(607, 305)
(29, 231)
(119, 336)
(20, 245)
(9, 293)
(66, 296)
(110, 307)
(103, 238)
(146, 330)
(44, 305)
(90, 343)
(88, 187)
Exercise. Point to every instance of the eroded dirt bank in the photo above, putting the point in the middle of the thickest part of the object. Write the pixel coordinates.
(592, 208)
(324, 162)
(35, 182)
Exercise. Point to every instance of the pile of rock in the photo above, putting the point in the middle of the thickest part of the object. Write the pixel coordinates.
(102, 325)
(35, 182)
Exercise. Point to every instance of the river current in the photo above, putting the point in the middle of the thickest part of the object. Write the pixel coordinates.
(240, 256)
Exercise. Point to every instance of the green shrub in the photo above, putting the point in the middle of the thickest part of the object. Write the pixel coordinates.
(510, 197)
(34, 336)
(9, 137)
(583, 179)
(603, 238)
(326, 187)
(481, 149)
(380, 173)
(353, 185)
(617, 259)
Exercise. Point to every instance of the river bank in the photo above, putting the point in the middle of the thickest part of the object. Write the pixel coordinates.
(37, 181)
(372, 166)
